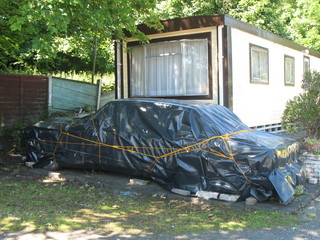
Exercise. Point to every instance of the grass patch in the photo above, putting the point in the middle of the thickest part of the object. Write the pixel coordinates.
(37, 206)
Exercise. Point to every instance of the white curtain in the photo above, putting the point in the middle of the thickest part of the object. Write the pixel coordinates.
(259, 64)
(176, 68)
(289, 70)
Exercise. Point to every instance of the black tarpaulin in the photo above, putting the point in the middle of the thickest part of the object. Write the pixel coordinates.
(180, 144)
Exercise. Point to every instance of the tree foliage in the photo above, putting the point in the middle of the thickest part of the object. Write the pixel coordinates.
(304, 27)
(63, 34)
(303, 111)
(47, 36)
(264, 14)
(11, 44)
(297, 20)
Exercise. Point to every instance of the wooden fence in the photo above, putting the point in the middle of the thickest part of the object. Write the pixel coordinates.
(66, 95)
(22, 98)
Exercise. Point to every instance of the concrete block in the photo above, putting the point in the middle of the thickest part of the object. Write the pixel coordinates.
(228, 197)
(181, 191)
(207, 195)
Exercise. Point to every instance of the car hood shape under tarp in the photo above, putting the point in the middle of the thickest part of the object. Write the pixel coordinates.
(180, 144)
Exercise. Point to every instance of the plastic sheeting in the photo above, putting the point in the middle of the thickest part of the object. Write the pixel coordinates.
(180, 144)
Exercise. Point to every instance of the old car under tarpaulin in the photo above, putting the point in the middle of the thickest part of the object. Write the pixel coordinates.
(184, 145)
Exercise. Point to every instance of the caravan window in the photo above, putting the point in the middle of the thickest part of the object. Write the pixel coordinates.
(289, 70)
(170, 68)
(306, 64)
(259, 64)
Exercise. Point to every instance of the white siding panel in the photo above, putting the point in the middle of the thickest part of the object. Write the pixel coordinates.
(262, 104)
(314, 63)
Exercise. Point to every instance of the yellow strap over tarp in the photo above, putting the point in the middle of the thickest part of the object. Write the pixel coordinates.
(135, 149)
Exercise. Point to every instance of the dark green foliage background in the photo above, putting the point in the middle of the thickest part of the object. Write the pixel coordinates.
(54, 36)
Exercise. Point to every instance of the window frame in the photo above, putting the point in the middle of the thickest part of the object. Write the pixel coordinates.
(304, 66)
(205, 35)
(259, 48)
(285, 72)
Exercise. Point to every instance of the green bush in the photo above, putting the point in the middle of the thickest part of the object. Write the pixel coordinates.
(12, 138)
(302, 113)
(108, 87)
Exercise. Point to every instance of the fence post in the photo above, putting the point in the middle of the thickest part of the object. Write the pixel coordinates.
(99, 93)
(49, 94)
(21, 102)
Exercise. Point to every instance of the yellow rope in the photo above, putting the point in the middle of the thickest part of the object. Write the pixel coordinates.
(99, 140)
(173, 150)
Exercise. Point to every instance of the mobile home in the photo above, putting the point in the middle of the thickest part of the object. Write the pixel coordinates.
(216, 59)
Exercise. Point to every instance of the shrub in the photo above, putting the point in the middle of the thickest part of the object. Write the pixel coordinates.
(12, 138)
(303, 111)
(108, 87)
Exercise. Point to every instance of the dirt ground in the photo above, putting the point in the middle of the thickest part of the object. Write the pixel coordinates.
(12, 164)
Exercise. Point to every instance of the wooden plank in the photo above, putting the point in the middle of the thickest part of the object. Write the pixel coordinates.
(69, 95)
(22, 97)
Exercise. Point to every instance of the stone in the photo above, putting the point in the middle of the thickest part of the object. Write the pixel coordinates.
(207, 195)
(228, 197)
(313, 180)
(311, 164)
(251, 201)
(54, 175)
(181, 191)
(138, 182)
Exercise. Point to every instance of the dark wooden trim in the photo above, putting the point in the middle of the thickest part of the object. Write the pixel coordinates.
(129, 70)
(205, 35)
(227, 68)
(225, 83)
(122, 79)
(218, 68)
(180, 24)
(116, 69)
(187, 23)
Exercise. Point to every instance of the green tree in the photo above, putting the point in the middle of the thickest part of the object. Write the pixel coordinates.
(303, 111)
(264, 14)
(12, 44)
(304, 24)
(175, 8)
(70, 35)
(65, 34)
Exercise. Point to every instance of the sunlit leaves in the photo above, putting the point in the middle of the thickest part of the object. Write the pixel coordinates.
(303, 111)
(60, 35)
(81, 24)
(304, 27)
